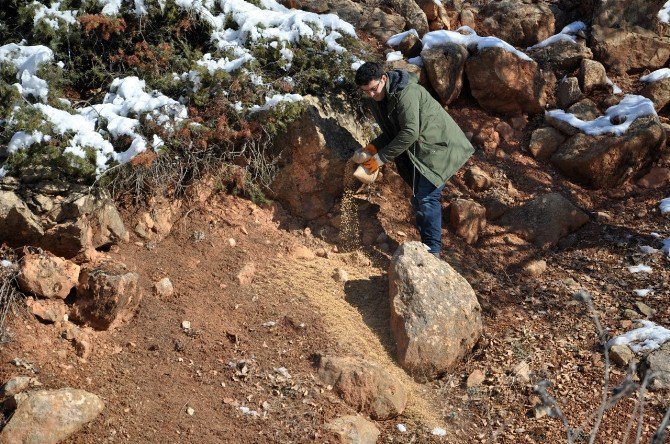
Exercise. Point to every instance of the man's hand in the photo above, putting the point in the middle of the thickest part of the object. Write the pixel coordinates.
(373, 164)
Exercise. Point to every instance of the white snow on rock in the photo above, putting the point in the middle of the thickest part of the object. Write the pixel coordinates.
(665, 205)
(568, 34)
(664, 13)
(437, 38)
(273, 101)
(27, 60)
(52, 16)
(657, 75)
(615, 88)
(630, 108)
(394, 56)
(640, 268)
(646, 338)
(395, 40)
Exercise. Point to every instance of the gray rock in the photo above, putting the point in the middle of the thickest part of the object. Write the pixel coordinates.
(658, 362)
(17, 385)
(411, 12)
(606, 161)
(365, 386)
(164, 288)
(544, 142)
(49, 417)
(568, 92)
(435, 315)
(444, 66)
(100, 210)
(645, 309)
(69, 240)
(545, 219)
(353, 430)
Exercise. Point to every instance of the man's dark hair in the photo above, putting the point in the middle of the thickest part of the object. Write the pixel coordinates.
(368, 72)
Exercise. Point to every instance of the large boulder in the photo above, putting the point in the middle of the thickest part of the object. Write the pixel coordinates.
(379, 23)
(627, 36)
(592, 76)
(517, 22)
(50, 416)
(502, 82)
(444, 66)
(314, 152)
(544, 220)
(435, 315)
(71, 240)
(47, 276)
(561, 56)
(18, 225)
(365, 386)
(605, 161)
(106, 295)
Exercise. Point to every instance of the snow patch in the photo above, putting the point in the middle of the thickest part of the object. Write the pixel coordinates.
(643, 292)
(665, 205)
(664, 13)
(657, 75)
(640, 268)
(438, 38)
(438, 431)
(630, 108)
(395, 40)
(3, 172)
(568, 33)
(394, 56)
(273, 101)
(53, 16)
(27, 60)
(646, 338)
(5, 263)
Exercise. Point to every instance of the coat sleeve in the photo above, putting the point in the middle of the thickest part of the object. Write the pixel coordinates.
(408, 120)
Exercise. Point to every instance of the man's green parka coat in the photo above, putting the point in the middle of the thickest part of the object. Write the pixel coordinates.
(412, 121)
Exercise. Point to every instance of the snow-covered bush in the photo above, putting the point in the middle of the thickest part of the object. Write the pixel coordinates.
(211, 77)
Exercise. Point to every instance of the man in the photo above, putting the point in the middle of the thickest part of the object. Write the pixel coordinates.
(425, 143)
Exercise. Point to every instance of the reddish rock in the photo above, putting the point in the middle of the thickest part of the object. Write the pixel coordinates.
(365, 386)
(477, 179)
(106, 295)
(48, 276)
(468, 219)
(246, 274)
(655, 178)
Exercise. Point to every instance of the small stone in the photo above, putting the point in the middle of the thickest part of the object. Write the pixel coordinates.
(246, 274)
(164, 287)
(17, 385)
(621, 355)
(535, 268)
(505, 131)
(402, 233)
(302, 253)
(401, 428)
(603, 217)
(321, 252)
(540, 411)
(645, 309)
(190, 411)
(186, 325)
(631, 314)
(518, 122)
(232, 242)
(341, 275)
(656, 178)
(475, 379)
(477, 179)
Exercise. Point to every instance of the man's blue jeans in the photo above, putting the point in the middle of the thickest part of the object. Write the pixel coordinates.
(428, 210)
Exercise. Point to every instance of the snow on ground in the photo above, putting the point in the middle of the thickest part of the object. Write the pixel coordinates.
(640, 268)
(646, 338)
(665, 205)
(643, 292)
(664, 13)
(630, 108)
(27, 60)
(666, 246)
(567, 34)
(437, 38)
(5, 263)
(646, 249)
(657, 75)
(3, 172)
